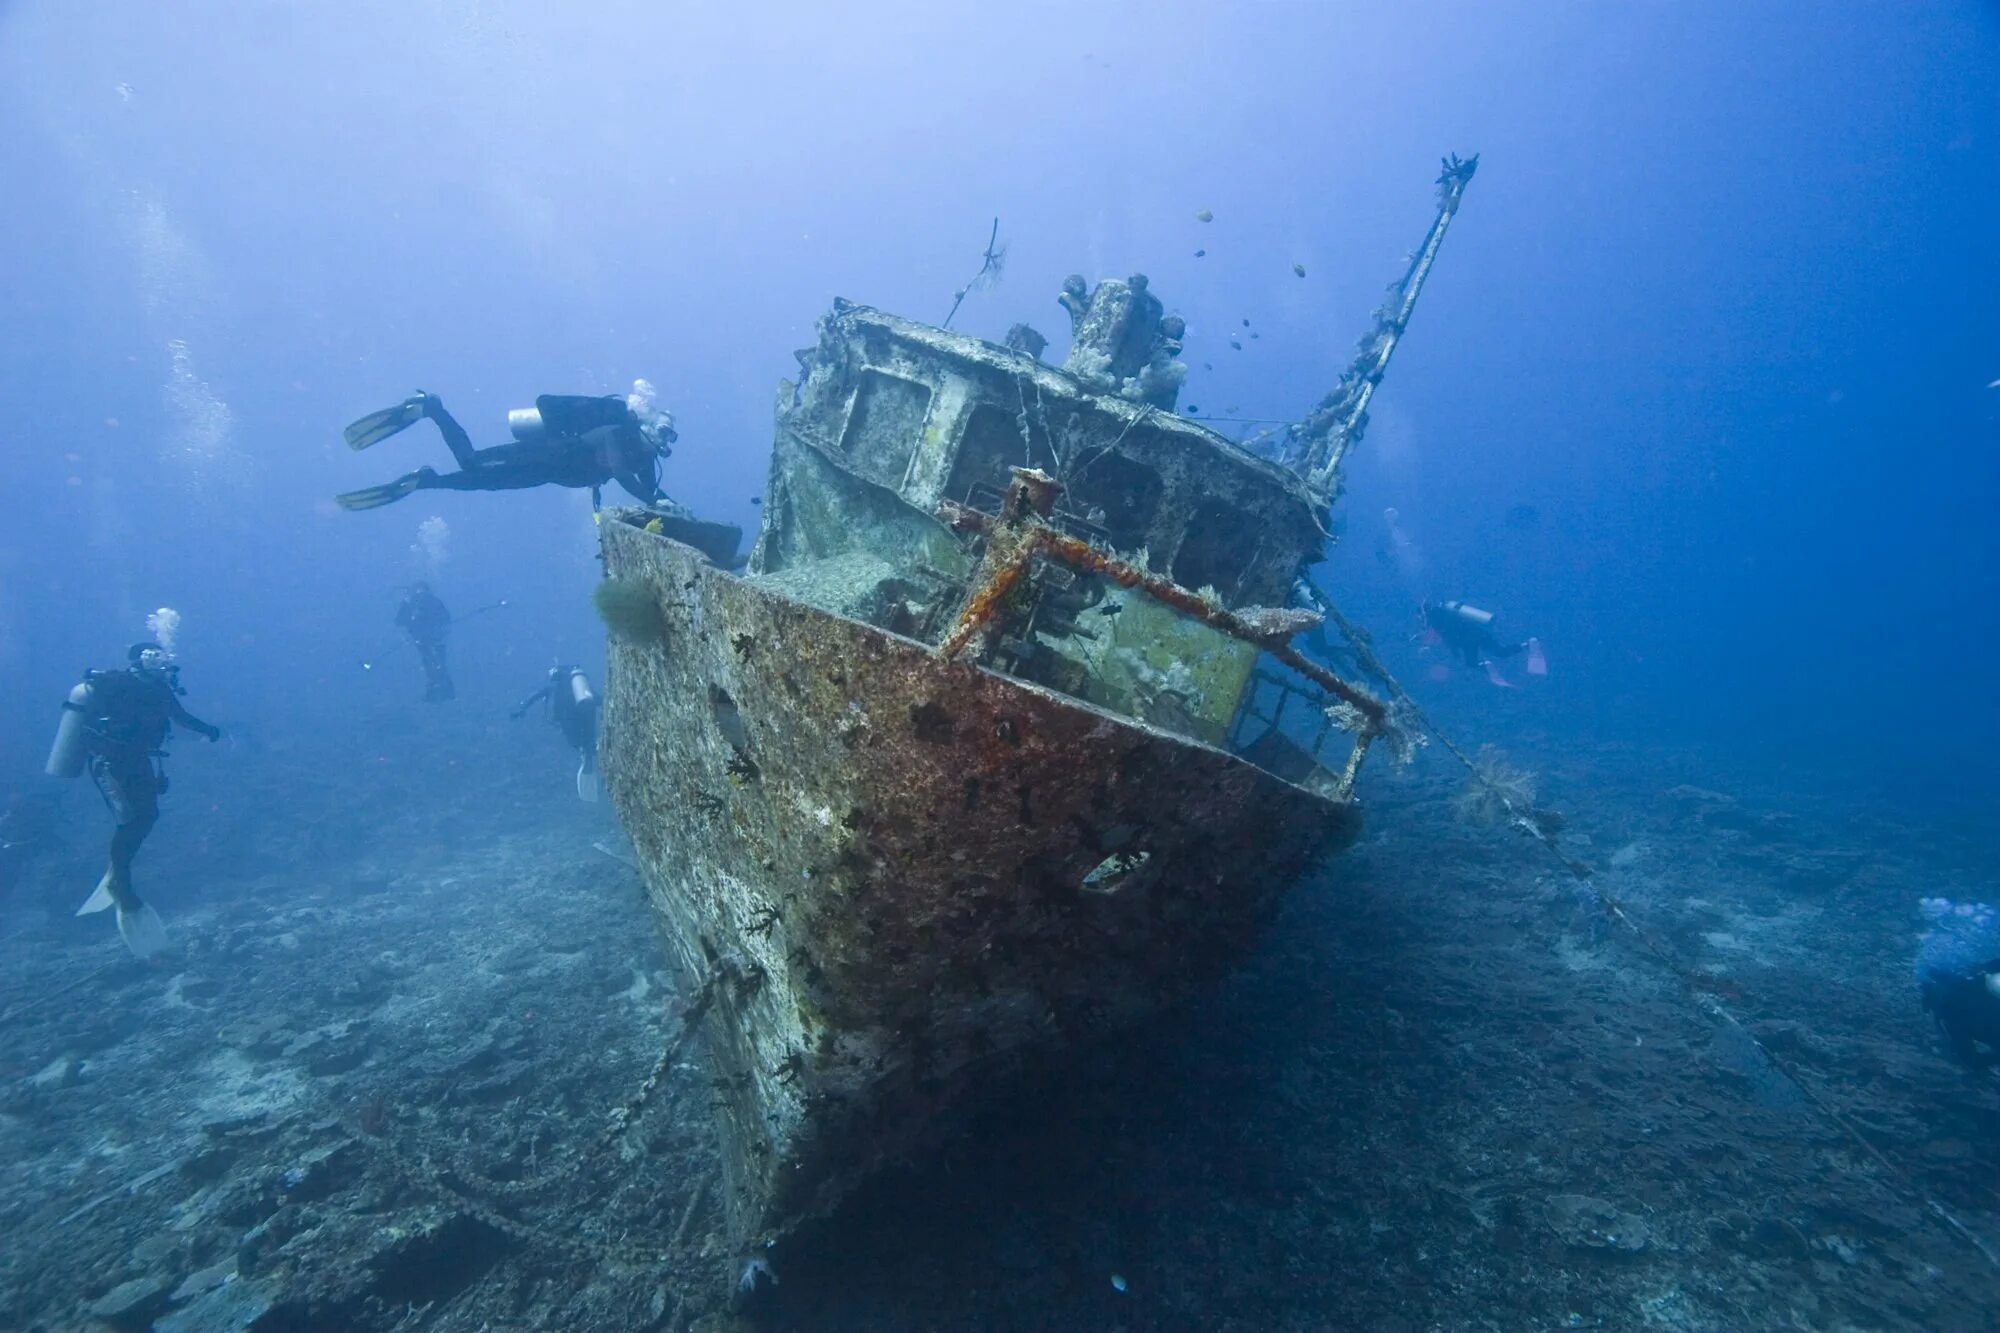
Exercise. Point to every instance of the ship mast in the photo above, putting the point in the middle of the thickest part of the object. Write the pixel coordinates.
(1336, 424)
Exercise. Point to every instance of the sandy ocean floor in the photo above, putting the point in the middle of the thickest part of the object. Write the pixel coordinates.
(371, 1091)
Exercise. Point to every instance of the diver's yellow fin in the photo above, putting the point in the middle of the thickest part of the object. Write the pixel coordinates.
(379, 426)
(374, 497)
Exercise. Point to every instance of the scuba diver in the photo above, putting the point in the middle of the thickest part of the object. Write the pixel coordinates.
(573, 708)
(1468, 632)
(1958, 978)
(563, 440)
(424, 618)
(114, 724)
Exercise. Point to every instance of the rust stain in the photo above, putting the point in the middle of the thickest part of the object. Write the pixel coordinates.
(1021, 532)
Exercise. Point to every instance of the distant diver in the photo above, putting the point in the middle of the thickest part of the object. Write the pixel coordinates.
(563, 440)
(114, 725)
(573, 709)
(1958, 978)
(1468, 632)
(425, 619)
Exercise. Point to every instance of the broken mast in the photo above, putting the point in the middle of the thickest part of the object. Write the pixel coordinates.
(1322, 440)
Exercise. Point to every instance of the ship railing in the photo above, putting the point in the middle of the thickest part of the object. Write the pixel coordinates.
(1285, 724)
(1020, 532)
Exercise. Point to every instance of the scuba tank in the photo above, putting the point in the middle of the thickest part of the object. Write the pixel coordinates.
(72, 743)
(581, 731)
(1472, 615)
(576, 710)
(567, 414)
(526, 424)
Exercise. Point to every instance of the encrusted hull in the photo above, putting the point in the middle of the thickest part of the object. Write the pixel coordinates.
(900, 872)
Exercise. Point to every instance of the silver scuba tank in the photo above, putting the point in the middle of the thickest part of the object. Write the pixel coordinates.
(579, 688)
(71, 748)
(526, 424)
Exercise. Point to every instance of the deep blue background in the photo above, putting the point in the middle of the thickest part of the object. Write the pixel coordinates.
(1720, 306)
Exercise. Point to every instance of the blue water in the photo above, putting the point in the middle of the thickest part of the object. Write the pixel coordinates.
(1714, 307)
(1704, 392)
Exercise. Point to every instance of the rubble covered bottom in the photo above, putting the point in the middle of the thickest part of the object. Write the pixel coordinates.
(1456, 1100)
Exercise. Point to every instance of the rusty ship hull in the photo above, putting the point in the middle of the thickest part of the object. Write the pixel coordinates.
(894, 874)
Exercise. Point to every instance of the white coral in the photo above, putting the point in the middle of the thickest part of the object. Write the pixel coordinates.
(1090, 365)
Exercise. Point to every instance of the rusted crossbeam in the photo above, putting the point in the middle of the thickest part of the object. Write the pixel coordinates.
(1020, 532)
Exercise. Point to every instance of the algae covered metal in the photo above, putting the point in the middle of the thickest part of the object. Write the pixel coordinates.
(958, 771)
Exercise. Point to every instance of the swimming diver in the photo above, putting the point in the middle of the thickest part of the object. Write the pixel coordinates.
(563, 440)
(424, 618)
(1958, 978)
(1468, 631)
(573, 708)
(1966, 1007)
(114, 724)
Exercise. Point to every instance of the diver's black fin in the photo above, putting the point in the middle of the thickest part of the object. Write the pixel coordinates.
(373, 497)
(379, 426)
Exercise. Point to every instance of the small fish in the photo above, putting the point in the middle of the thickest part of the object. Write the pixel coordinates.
(1255, 334)
(1203, 215)
(1208, 365)
(1193, 408)
(1117, 1282)
(1237, 345)
(1246, 323)
(756, 499)
(1299, 269)
(1199, 253)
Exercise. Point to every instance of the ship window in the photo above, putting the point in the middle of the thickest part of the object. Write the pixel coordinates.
(1126, 490)
(1216, 549)
(885, 425)
(989, 450)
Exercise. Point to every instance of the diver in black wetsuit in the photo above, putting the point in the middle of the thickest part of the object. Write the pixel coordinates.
(563, 440)
(1966, 1007)
(424, 618)
(114, 726)
(1471, 635)
(573, 708)
(1468, 632)
(1958, 977)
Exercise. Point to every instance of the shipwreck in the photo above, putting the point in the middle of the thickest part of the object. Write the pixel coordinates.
(984, 753)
